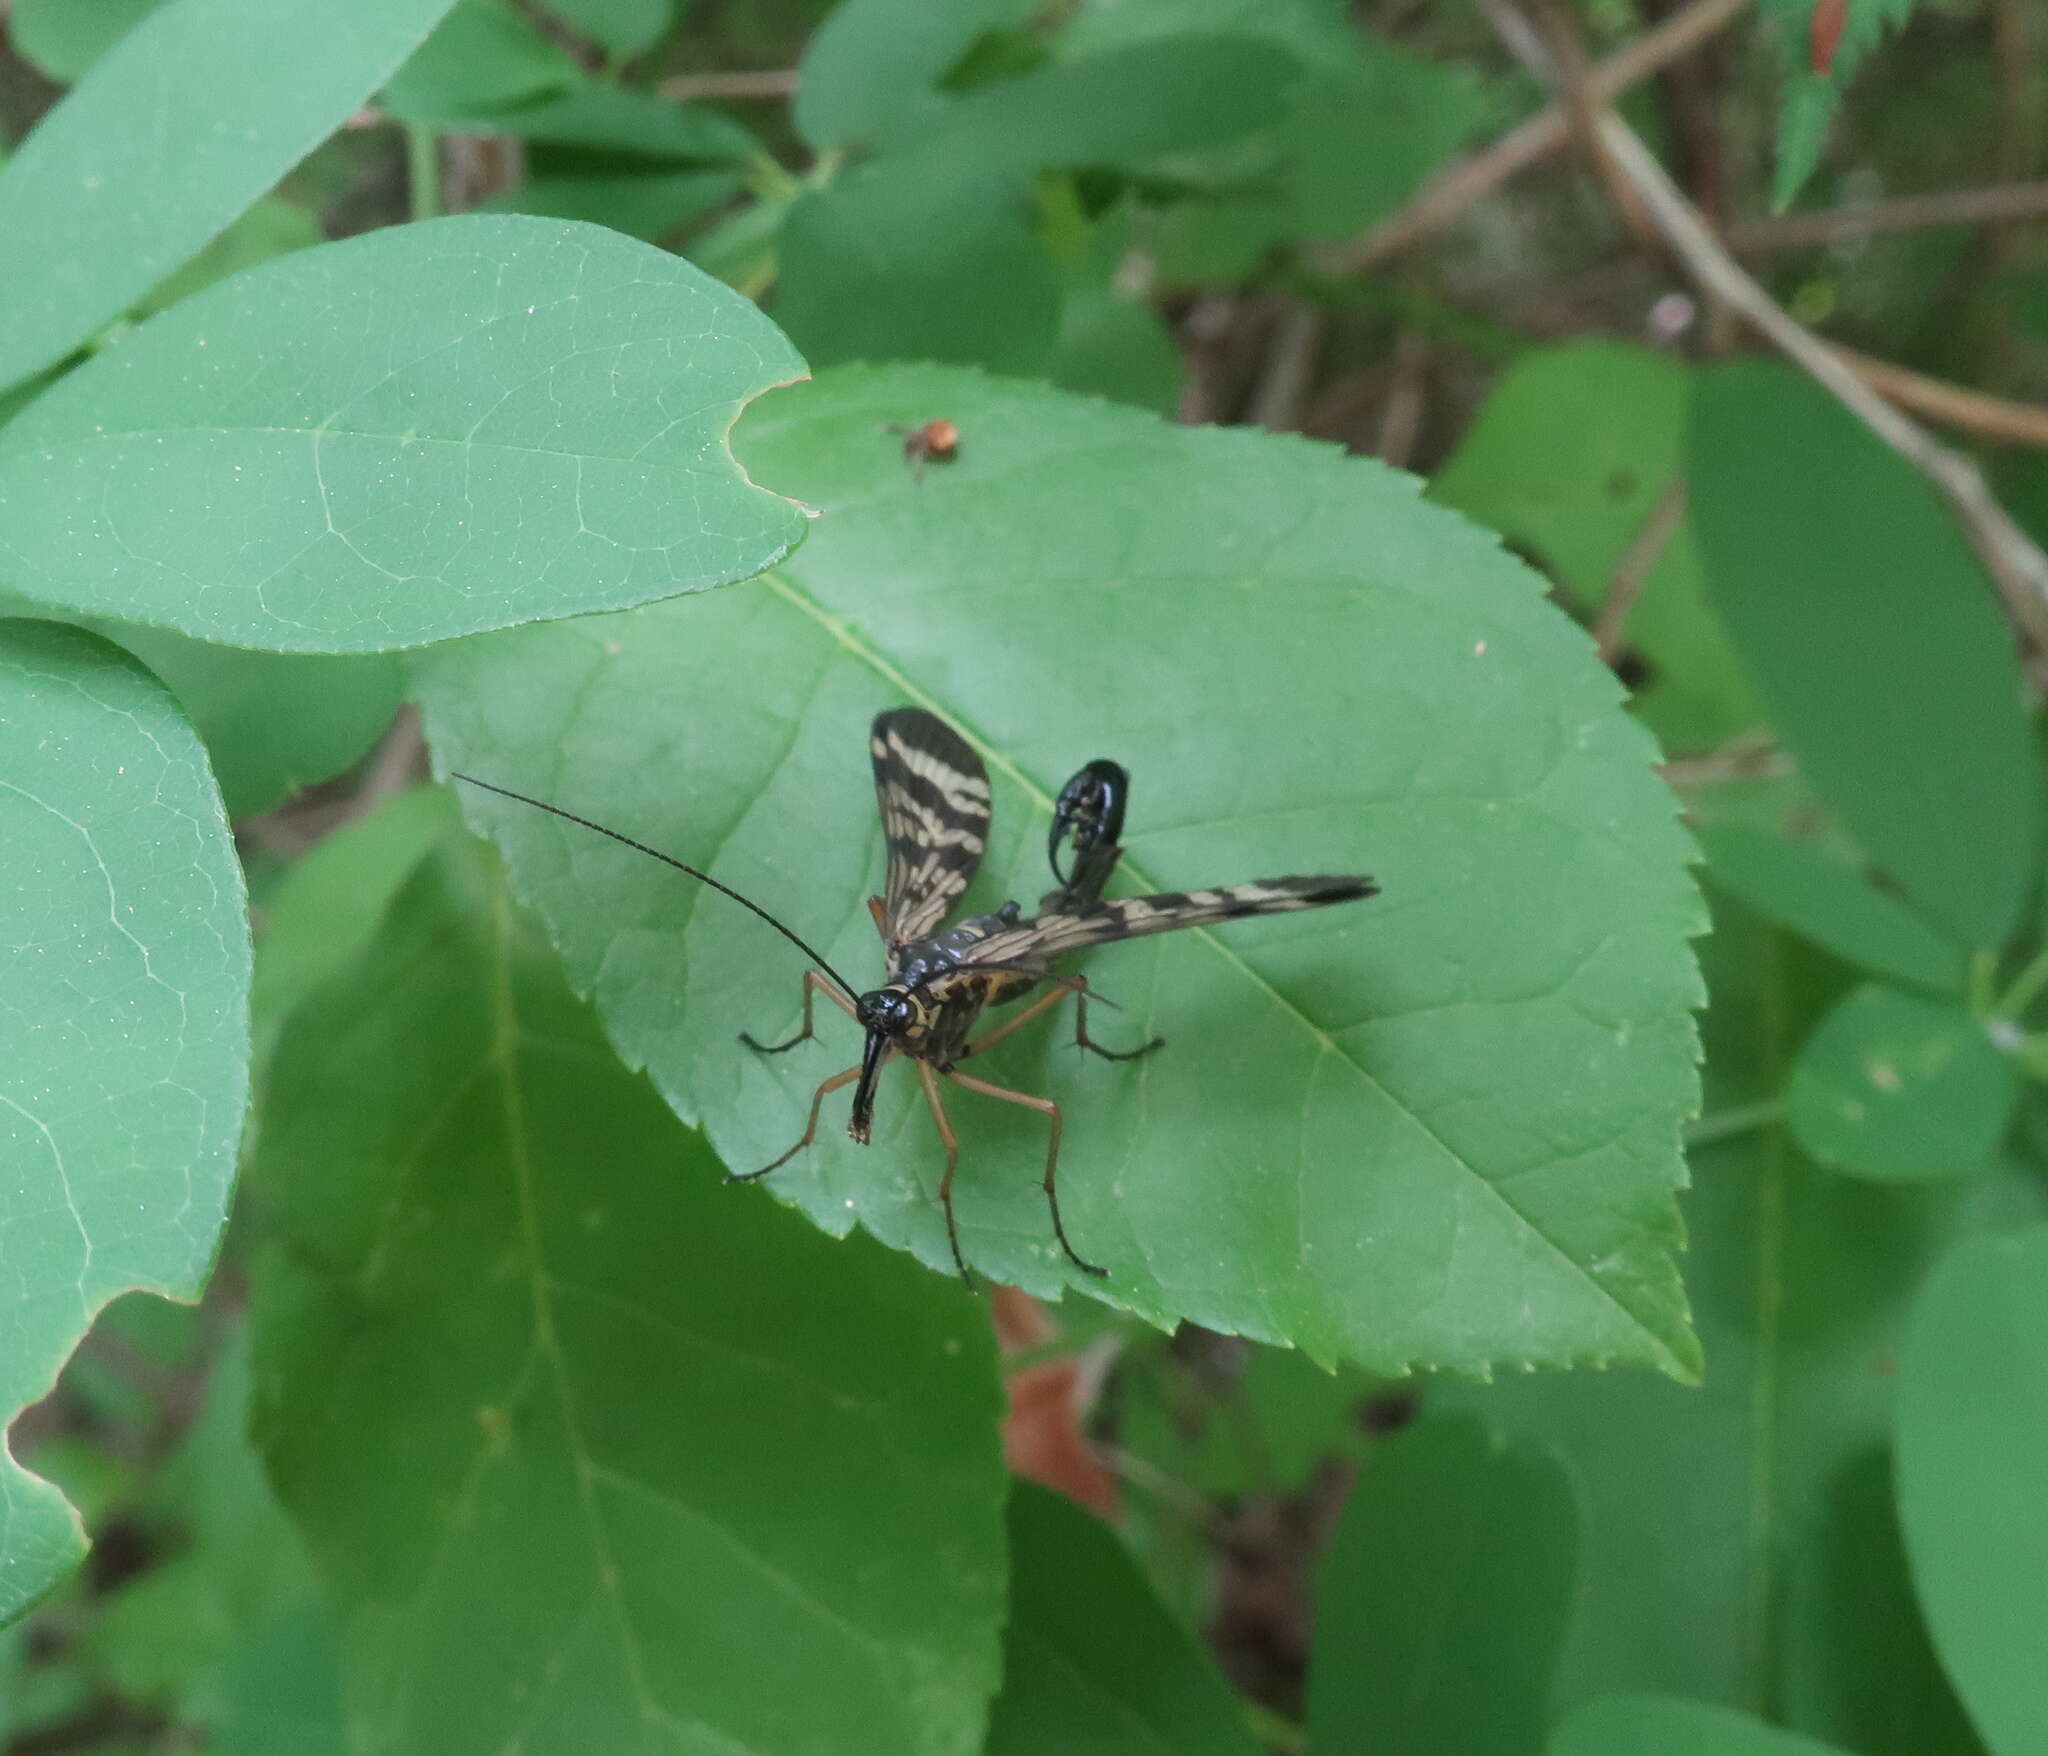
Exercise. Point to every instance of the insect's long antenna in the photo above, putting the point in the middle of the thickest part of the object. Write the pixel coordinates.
(845, 987)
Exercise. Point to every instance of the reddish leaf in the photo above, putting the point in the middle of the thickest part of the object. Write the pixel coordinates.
(1829, 16)
(1045, 1436)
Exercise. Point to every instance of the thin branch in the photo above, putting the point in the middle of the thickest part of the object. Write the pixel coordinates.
(1466, 181)
(2016, 562)
(1401, 411)
(1975, 412)
(2013, 34)
(778, 82)
(1968, 411)
(1728, 1124)
(1752, 756)
(1283, 384)
(1574, 86)
(2000, 204)
(399, 763)
(423, 170)
(1642, 553)
(1202, 333)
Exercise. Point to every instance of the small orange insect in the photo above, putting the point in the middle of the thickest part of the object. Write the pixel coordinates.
(937, 441)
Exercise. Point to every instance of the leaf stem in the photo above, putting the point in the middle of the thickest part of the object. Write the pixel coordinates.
(1727, 1124)
(767, 179)
(2025, 990)
(1981, 992)
(1275, 1730)
(423, 169)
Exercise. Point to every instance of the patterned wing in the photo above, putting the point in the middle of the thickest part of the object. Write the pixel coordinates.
(933, 794)
(1037, 942)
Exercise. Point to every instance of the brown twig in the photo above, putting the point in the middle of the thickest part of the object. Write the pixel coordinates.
(1982, 416)
(399, 762)
(2013, 33)
(1642, 553)
(1202, 333)
(778, 82)
(1559, 32)
(1401, 411)
(1950, 405)
(1752, 756)
(1290, 362)
(1466, 181)
(2000, 204)
(2015, 561)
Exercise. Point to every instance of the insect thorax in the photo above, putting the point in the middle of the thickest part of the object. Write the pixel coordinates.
(922, 960)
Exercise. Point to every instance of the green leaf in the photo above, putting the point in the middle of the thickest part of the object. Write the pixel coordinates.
(920, 261)
(1363, 125)
(1729, 1548)
(696, 1477)
(326, 910)
(1366, 133)
(1569, 458)
(1899, 1085)
(1972, 1429)
(871, 70)
(1111, 342)
(625, 27)
(1436, 1127)
(1176, 95)
(1875, 639)
(643, 204)
(198, 110)
(1115, 346)
(410, 435)
(1823, 898)
(614, 119)
(1426, 1642)
(273, 227)
(281, 1688)
(1092, 1663)
(931, 253)
(482, 56)
(271, 722)
(741, 249)
(179, 1635)
(1810, 97)
(1633, 1725)
(124, 1043)
(1858, 1663)
(62, 39)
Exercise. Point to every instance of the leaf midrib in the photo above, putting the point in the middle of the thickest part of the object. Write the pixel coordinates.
(502, 1067)
(842, 632)
(323, 431)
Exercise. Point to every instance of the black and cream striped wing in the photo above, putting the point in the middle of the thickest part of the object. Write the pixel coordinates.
(1040, 941)
(933, 795)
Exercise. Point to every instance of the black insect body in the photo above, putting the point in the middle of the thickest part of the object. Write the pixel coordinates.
(1090, 808)
(934, 798)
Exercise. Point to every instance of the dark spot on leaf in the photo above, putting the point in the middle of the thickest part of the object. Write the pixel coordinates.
(1386, 1415)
